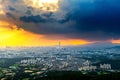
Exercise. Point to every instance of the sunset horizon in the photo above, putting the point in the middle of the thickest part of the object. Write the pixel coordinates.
(44, 23)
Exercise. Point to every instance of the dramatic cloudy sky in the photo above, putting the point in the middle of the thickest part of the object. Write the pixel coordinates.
(80, 21)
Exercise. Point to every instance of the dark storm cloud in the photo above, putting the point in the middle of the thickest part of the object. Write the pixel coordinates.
(11, 8)
(87, 19)
(28, 12)
(99, 22)
(10, 15)
(35, 19)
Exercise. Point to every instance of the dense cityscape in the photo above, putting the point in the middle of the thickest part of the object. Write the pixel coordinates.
(32, 63)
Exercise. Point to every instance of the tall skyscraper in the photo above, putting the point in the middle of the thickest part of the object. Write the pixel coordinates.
(59, 44)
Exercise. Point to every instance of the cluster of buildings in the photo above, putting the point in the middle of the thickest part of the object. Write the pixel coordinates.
(61, 58)
(87, 66)
(66, 63)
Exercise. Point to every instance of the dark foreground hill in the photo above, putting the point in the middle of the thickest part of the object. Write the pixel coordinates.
(69, 75)
(73, 75)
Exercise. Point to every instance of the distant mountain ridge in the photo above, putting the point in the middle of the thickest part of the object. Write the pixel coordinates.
(114, 47)
(102, 45)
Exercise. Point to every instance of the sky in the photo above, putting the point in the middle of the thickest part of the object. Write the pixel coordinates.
(46, 22)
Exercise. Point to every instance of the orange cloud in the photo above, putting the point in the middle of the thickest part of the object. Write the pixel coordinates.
(11, 35)
(116, 41)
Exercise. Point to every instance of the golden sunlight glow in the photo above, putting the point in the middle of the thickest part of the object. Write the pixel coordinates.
(116, 41)
(11, 35)
(44, 5)
(2, 12)
(74, 42)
